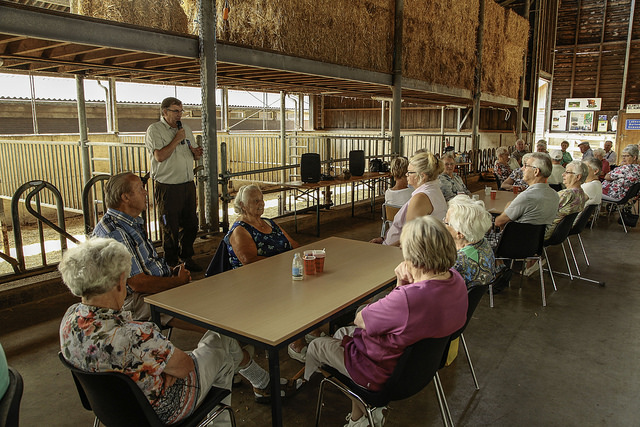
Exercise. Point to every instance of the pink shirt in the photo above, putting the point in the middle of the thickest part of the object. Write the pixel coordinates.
(410, 313)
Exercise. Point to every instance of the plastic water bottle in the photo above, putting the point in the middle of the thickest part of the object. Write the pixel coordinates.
(297, 267)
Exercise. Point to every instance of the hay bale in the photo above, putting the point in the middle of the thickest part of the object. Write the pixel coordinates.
(505, 42)
(165, 15)
(348, 32)
(439, 40)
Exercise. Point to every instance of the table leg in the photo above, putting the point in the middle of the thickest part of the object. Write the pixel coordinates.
(352, 199)
(318, 212)
(295, 209)
(155, 316)
(274, 381)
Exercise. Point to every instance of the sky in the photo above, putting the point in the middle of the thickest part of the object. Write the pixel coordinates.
(17, 86)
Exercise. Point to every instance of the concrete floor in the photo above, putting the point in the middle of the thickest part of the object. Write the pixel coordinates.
(572, 363)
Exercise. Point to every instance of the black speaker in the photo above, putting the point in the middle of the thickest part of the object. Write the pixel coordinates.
(310, 167)
(356, 162)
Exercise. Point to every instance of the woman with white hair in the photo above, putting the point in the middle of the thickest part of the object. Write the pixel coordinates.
(600, 154)
(572, 198)
(467, 220)
(426, 199)
(251, 237)
(592, 186)
(501, 167)
(450, 182)
(96, 335)
(617, 183)
(429, 301)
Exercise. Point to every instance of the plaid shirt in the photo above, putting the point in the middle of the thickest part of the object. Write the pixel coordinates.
(130, 232)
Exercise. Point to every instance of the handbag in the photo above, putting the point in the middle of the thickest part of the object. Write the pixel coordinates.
(630, 219)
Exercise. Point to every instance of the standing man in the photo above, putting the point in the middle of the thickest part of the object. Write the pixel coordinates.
(173, 149)
(585, 149)
(610, 156)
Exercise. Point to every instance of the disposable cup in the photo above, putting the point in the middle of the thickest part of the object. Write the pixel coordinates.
(309, 265)
(487, 190)
(516, 189)
(320, 255)
(494, 194)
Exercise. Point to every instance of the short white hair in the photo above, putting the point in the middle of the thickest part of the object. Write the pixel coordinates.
(94, 267)
(469, 217)
(242, 198)
(501, 150)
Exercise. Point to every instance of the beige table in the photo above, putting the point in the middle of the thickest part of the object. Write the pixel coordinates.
(497, 206)
(260, 303)
(312, 189)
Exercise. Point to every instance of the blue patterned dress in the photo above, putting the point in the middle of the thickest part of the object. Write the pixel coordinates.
(267, 245)
(476, 263)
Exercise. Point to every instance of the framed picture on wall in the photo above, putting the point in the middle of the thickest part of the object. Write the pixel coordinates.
(581, 121)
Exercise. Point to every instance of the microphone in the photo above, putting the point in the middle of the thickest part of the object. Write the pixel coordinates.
(179, 124)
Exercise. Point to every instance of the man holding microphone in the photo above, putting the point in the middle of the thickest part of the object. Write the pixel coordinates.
(173, 149)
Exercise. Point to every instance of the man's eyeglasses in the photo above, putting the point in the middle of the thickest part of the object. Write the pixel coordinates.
(524, 166)
(175, 111)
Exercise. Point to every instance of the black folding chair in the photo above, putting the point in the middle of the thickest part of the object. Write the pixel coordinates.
(520, 241)
(559, 235)
(117, 401)
(415, 369)
(10, 403)
(578, 227)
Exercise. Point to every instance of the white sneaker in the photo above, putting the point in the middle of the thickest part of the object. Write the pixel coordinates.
(379, 418)
(299, 356)
(309, 337)
(534, 268)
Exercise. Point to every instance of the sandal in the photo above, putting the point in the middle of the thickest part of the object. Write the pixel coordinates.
(288, 388)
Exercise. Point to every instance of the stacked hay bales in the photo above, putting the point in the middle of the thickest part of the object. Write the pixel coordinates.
(505, 42)
(439, 40)
(353, 32)
(164, 15)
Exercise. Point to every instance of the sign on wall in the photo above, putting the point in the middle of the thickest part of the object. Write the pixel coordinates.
(574, 104)
(632, 124)
(581, 121)
(602, 122)
(558, 120)
(633, 108)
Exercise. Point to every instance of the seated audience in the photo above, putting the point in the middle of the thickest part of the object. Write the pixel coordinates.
(516, 156)
(426, 199)
(572, 198)
(592, 186)
(515, 179)
(126, 198)
(557, 170)
(400, 193)
(501, 166)
(585, 149)
(450, 182)
(538, 204)
(566, 156)
(429, 301)
(467, 220)
(251, 237)
(599, 154)
(541, 146)
(617, 183)
(97, 335)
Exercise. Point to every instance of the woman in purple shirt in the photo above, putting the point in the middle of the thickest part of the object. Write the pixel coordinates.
(429, 301)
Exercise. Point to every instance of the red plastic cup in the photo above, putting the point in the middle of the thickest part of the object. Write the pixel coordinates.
(516, 189)
(494, 193)
(320, 255)
(309, 264)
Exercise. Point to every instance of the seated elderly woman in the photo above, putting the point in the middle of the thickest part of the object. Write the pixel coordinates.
(592, 186)
(515, 179)
(467, 220)
(426, 199)
(572, 198)
(600, 154)
(501, 167)
(400, 193)
(450, 182)
(429, 301)
(96, 335)
(251, 237)
(617, 183)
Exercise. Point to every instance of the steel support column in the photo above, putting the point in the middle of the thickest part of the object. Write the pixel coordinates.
(623, 93)
(283, 146)
(114, 104)
(523, 78)
(208, 56)
(397, 77)
(82, 125)
(224, 110)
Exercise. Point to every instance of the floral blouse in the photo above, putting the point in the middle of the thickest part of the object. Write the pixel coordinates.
(268, 245)
(624, 176)
(571, 200)
(98, 339)
(518, 178)
(476, 263)
(503, 171)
